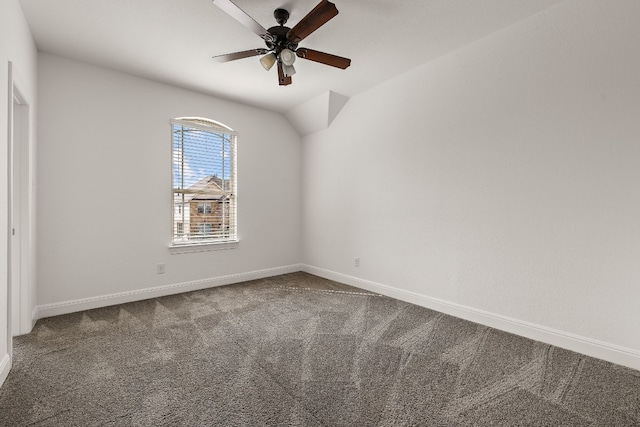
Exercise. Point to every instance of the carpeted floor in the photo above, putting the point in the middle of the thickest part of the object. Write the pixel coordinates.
(297, 350)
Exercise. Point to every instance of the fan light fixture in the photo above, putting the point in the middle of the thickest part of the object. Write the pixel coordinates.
(268, 60)
(287, 57)
(288, 70)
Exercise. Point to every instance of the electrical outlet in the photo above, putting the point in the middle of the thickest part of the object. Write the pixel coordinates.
(160, 268)
(357, 262)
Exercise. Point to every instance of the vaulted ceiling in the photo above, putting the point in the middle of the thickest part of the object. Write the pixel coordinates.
(173, 41)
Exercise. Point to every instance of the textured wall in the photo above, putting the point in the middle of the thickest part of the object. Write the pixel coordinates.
(16, 45)
(105, 173)
(502, 177)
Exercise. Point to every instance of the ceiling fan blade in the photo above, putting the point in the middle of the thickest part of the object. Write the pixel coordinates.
(323, 58)
(320, 15)
(239, 55)
(241, 16)
(282, 80)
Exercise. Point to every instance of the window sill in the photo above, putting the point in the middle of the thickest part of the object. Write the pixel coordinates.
(202, 247)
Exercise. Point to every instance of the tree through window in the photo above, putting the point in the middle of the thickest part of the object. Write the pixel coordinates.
(204, 182)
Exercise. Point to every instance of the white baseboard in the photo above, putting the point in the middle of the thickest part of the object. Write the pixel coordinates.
(590, 347)
(5, 367)
(73, 306)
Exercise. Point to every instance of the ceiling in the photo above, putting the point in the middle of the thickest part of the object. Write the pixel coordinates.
(173, 41)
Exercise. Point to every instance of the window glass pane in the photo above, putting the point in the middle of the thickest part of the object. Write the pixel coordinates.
(203, 184)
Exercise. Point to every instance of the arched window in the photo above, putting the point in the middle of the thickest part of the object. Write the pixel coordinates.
(204, 182)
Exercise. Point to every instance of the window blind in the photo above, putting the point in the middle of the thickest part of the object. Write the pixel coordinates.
(204, 182)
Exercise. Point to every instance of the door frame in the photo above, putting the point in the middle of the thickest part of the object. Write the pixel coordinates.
(20, 222)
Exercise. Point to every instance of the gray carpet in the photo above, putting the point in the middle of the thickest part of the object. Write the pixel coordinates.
(297, 350)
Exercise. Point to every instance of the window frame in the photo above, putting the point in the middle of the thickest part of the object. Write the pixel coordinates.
(198, 244)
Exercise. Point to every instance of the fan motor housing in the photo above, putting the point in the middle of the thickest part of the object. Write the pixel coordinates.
(280, 40)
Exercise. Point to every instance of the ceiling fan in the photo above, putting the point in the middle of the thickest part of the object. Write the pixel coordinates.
(282, 42)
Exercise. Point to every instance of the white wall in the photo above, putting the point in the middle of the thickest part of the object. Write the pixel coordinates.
(16, 45)
(105, 179)
(501, 181)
